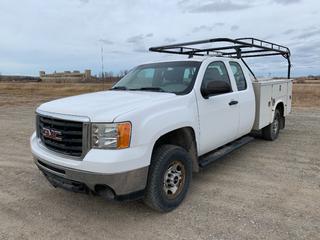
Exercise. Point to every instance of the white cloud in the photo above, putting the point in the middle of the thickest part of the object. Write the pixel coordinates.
(218, 6)
(65, 35)
(286, 2)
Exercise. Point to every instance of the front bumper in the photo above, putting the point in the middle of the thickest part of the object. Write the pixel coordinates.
(122, 184)
(123, 173)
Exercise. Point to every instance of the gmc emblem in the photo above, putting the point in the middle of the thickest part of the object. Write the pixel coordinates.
(51, 134)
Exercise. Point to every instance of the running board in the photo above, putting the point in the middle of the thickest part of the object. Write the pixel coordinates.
(221, 152)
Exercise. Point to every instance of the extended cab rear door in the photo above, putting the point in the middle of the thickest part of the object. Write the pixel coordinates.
(246, 105)
(218, 114)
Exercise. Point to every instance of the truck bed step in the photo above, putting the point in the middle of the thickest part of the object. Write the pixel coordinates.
(223, 151)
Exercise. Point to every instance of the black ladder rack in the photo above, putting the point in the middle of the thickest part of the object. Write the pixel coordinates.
(235, 48)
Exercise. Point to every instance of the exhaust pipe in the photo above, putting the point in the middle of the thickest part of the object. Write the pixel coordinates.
(105, 192)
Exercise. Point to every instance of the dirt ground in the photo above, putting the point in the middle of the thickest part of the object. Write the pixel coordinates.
(265, 190)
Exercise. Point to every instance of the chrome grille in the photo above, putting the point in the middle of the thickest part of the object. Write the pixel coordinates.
(62, 136)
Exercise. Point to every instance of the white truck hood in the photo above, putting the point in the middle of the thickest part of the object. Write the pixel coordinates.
(103, 106)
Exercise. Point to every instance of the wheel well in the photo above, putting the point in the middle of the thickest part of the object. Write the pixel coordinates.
(280, 107)
(182, 137)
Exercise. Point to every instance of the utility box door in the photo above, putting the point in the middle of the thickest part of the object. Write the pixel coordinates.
(263, 95)
(268, 93)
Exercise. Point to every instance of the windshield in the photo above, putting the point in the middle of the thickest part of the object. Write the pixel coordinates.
(173, 77)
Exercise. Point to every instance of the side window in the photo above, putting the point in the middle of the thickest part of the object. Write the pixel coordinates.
(238, 76)
(216, 71)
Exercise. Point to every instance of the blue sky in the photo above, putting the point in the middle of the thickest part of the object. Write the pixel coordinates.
(68, 34)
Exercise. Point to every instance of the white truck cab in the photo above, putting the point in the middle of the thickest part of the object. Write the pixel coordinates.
(159, 124)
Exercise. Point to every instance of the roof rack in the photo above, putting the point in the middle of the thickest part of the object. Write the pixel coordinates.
(237, 48)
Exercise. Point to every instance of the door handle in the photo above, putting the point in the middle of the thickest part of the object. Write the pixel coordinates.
(233, 102)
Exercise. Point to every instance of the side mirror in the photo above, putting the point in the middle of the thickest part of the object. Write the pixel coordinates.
(215, 87)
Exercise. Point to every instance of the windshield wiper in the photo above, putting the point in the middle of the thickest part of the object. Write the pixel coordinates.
(155, 89)
(119, 88)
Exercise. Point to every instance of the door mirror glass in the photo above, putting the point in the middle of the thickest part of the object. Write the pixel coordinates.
(215, 87)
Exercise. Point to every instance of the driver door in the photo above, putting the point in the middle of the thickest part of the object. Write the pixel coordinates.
(218, 114)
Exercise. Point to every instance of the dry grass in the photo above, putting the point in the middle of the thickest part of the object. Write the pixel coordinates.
(33, 93)
(304, 94)
(51, 89)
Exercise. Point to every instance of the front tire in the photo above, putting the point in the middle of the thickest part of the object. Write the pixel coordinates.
(169, 178)
(271, 132)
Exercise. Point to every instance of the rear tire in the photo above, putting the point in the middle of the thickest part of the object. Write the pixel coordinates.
(169, 178)
(271, 132)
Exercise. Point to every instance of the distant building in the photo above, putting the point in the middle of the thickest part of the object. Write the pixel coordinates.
(67, 76)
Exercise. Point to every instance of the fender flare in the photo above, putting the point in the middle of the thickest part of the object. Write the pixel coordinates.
(188, 141)
(275, 106)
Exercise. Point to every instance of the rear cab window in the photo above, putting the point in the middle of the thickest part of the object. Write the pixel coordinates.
(238, 76)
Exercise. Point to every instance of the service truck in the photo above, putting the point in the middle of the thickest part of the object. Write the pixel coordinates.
(162, 122)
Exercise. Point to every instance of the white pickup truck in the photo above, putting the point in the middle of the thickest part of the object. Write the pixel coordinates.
(163, 121)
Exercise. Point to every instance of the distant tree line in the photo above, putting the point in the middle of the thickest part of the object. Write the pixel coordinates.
(18, 78)
(111, 77)
(121, 74)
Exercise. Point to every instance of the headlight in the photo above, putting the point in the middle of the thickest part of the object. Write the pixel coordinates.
(111, 136)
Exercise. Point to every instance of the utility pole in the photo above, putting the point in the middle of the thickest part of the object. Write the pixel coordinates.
(102, 65)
